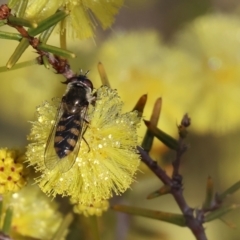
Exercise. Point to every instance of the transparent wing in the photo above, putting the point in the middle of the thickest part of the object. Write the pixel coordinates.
(51, 159)
(63, 165)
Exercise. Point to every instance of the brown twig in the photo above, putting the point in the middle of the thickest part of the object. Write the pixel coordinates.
(194, 218)
(4, 236)
(194, 223)
(61, 65)
(182, 147)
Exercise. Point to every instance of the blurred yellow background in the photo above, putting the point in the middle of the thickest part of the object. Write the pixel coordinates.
(187, 52)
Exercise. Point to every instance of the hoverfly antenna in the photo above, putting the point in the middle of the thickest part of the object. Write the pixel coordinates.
(86, 73)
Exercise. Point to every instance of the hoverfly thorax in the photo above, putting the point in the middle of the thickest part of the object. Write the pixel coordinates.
(71, 123)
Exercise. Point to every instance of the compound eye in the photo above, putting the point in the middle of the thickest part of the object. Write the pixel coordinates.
(88, 83)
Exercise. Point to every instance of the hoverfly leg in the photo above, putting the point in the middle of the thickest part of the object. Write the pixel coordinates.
(86, 143)
(84, 138)
(94, 99)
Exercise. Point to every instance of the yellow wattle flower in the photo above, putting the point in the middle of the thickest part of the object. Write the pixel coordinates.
(90, 209)
(12, 175)
(40, 9)
(84, 15)
(106, 162)
(34, 214)
(213, 72)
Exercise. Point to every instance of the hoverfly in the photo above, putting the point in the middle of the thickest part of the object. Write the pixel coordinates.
(64, 140)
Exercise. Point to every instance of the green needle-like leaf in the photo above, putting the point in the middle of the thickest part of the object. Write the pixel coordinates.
(21, 8)
(228, 223)
(63, 35)
(46, 34)
(7, 221)
(10, 36)
(140, 105)
(22, 46)
(21, 22)
(162, 136)
(94, 227)
(55, 50)
(235, 187)
(63, 227)
(47, 23)
(173, 218)
(147, 141)
(19, 65)
(12, 3)
(149, 136)
(3, 22)
(103, 75)
(220, 212)
(1, 209)
(209, 193)
(46, 62)
(165, 189)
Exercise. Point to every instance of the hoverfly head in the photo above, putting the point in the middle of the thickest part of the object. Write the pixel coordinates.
(81, 79)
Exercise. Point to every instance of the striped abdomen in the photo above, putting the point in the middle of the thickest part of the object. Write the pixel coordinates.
(67, 134)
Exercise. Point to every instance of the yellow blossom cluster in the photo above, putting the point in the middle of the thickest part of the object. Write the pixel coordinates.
(95, 208)
(150, 71)
(12, 177)
(35, 215)
(84, 15)
(198, 73)
(212, 42)
(107, 160)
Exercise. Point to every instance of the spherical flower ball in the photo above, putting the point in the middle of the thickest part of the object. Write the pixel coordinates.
(34, 214)
(107, 160)
(83, 14)
(135, 70)
(90, 209)
(12, 171)
(212, 42)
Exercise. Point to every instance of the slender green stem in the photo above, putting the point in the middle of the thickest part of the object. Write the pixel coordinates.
(63, 35)
(21, 22)
(46, 62)
(235, 187)
(149, 136)
(47, 23)
(209, 194)
(18, 66)
(168, 140)
(44, 36)
(218, 213)
(3, 22)
(1, 208)
(63, 227)
(21, 8)
(55, 50)
(22, 46)
(94, 227)
(12, 3)
(174, 218)
(103, 75)
(10, 36)
(7, 221)
(140, 105)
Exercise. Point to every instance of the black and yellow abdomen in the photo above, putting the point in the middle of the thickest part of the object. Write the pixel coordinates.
(67, 134)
